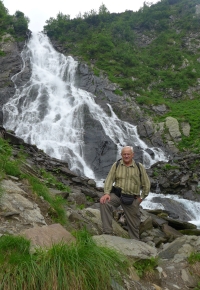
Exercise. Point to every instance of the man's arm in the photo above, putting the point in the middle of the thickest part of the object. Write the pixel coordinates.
(110, 179)
(108, 184)
(145, 182)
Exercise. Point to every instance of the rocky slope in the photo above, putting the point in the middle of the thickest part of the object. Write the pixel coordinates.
(24, 213)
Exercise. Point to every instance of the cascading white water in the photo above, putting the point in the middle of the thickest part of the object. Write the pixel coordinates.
(47, 110)
(192, 208)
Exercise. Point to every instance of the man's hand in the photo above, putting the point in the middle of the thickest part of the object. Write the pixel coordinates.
(140, 199)
(105, 198)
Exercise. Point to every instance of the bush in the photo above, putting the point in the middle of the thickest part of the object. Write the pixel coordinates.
(146, 265)
(20, 23)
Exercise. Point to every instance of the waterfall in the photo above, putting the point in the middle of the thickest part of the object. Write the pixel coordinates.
(48, 109)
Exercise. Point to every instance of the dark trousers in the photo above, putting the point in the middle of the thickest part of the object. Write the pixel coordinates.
(132, 214)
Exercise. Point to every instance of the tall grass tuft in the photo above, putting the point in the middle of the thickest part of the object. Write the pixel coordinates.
(81, 265)
(8, 165)
(58, 214)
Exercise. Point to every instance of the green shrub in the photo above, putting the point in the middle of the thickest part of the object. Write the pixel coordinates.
(118, 92)
(155, 172)
(2, 53)
(146, 265)
(194, 257)
(96, 72)
(20, 23)
(169, 167)
(198, 286)
(143, 100)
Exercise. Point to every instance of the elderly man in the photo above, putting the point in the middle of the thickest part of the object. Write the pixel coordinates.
(128, 180)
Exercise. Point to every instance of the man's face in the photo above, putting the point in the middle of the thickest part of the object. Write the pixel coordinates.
(127, 155)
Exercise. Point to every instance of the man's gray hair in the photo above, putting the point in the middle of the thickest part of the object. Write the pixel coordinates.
(130, 147)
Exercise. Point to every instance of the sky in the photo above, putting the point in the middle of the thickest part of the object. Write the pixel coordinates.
(38, 11)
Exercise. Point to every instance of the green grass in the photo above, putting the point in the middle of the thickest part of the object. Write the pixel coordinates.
(194, 257)
(57, 212)
(1, 192)
(198, 286)
(81, 265)
(51, 180)
(2, 53)
(145, 266)
(169, 167)
(8, 165)
(155, 172)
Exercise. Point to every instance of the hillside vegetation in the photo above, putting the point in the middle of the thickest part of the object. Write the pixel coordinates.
(153, 55)
(16, 24)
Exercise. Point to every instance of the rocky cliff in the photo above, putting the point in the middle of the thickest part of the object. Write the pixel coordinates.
(11, 64)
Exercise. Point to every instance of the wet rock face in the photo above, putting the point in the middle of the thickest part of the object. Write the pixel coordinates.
(100, 151)
(10, 64)
(179, 176)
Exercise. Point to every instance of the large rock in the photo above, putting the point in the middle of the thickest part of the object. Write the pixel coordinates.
(181, 248)
(47, 236)
(128, 247)
(173, 127)
(185, 128)
(15, 202)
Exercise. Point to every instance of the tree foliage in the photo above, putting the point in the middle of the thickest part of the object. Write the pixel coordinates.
(20, 23)
(5, 19)
(16, 25)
